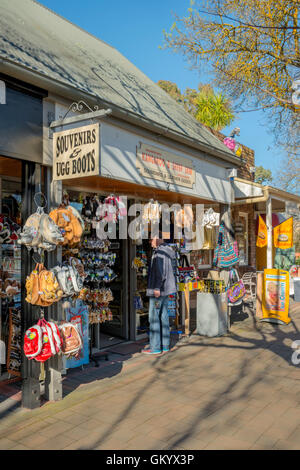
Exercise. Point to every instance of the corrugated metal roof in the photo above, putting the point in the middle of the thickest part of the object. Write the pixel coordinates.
(37, 38)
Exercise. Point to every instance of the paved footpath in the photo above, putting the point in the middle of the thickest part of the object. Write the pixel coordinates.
(240, 391)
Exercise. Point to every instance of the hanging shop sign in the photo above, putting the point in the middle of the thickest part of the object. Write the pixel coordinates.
(164, 166)
(76, 152)
(283, 234)
(275, 299)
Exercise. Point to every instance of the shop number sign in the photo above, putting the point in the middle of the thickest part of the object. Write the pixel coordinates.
(76, 152)
(163, 166)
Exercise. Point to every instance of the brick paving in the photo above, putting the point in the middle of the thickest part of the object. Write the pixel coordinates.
(239, 391)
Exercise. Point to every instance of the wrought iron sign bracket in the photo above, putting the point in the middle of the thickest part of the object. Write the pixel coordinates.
(78, 107)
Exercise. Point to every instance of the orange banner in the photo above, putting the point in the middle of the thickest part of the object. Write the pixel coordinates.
(262, 236)
(283, 234)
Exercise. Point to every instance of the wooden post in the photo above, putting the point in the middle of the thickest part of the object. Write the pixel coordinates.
(270, 234)
(31, 393)
(259, 290)
(187, 312)
(54, 366)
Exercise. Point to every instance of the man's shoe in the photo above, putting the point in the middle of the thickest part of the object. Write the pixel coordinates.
(166, 350)
(150, 352)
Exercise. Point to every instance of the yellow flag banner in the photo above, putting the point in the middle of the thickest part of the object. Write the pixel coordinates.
(262, 235)
(275, 299)
(283, 234)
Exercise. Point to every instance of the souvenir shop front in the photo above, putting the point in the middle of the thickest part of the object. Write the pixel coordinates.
(58, 268)
(135, 180)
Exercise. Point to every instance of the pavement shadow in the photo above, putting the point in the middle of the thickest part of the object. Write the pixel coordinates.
(116, 356)
(105, 364)
(10, 398)
(240, 385)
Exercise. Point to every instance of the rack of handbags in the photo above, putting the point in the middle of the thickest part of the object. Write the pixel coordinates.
(43, 232)
(45, 287)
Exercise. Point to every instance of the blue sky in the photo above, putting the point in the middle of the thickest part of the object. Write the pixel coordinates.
(135, 28)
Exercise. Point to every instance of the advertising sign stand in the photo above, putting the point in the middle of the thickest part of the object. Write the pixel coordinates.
(275, 305)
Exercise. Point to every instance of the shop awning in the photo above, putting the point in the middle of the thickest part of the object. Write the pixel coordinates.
(248, 192)
(94, 184)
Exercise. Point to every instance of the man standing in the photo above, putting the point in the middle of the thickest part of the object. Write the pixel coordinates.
(161, 283)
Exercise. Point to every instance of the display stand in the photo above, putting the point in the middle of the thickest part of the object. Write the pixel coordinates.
(99, 354)
(212, 314)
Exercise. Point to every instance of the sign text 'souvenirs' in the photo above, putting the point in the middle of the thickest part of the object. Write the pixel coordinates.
(76, 153)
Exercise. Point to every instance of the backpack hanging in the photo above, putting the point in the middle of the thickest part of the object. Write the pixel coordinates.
(33, 341)
(42, 341)
(42, 287)
(69, 225)
(69, 279)
(71, 339)
(40, 232)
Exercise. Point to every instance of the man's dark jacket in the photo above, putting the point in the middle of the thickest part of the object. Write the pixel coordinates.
(161, 275)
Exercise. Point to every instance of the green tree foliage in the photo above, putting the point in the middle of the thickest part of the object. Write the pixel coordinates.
(252, 49)
(208, 107)
(263, 176)
(213, 110)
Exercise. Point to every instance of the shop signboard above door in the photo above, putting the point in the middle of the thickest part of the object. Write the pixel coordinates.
(161, 165)
(76, 152)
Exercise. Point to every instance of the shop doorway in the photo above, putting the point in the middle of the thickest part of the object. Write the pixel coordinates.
(105, 263)
(10, 270)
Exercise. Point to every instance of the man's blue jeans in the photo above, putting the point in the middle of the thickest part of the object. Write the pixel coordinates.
(159, 323)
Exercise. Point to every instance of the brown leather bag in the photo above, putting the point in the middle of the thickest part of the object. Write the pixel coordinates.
(71, 339)
(42, 287)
